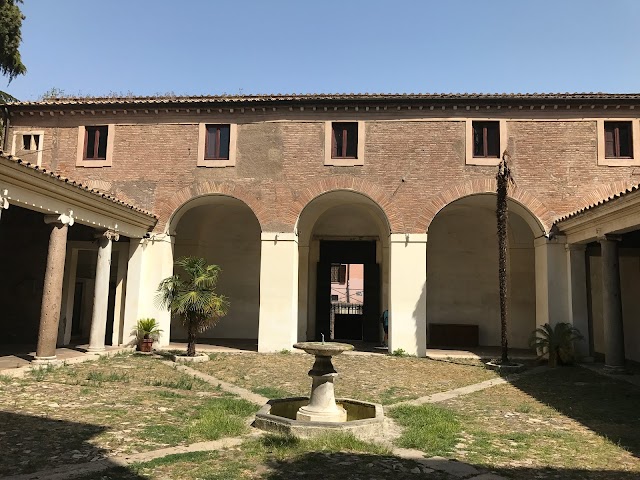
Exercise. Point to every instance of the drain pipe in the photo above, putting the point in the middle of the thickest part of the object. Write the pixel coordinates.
(5, 119)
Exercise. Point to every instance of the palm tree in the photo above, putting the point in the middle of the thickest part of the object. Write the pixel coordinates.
(191, 296)
(503, 180)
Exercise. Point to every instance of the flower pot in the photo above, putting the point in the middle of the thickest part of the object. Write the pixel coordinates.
(146, 345)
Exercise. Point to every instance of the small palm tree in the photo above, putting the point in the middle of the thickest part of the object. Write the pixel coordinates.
(556, 341)
(191, 295)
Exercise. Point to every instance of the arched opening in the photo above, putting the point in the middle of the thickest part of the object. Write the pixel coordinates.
(343, 267)
(463, 308)
(225, 232)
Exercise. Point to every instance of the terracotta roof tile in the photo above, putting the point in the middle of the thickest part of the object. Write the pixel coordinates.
(599, 202)
(78, 185)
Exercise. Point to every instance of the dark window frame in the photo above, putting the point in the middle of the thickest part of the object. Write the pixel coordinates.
(614, 148)
(97, 131)
(339, 273)
(32, 138)
(489, 127)
(218, 127)
(349, 140)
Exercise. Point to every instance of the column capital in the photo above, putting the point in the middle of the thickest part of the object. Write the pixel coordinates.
(109, 234)
(607, 237)
(62, 219)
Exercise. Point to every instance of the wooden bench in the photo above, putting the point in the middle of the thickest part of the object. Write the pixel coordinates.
(452, 335)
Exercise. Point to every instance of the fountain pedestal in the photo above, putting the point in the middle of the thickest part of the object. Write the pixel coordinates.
(322, 401)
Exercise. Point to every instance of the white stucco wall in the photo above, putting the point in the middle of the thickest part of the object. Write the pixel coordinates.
(462, 271)
(226, 233)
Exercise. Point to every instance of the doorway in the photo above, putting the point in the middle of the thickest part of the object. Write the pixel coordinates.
(348, 291)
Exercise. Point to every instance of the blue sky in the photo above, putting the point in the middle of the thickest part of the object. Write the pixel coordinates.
(194, 47)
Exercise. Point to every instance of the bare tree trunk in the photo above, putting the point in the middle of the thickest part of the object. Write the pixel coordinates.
(191, 339)
(503, 179)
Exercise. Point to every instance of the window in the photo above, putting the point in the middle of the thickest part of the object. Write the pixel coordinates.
(344, 141)
(217, 142)
(334, 298)
(486, 139)
(28, 145)
(618, 140)
(338, 273)
(95, 145)
(618, 143)
(95, 142)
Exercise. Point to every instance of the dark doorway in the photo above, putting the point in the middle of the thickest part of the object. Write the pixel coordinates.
(341, 316)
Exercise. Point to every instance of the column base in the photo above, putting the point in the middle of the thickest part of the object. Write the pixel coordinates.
(95, 349)
(615, 369)
(337, 415)
(46, 361)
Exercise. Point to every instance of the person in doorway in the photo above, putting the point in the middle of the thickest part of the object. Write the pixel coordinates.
(384, 318)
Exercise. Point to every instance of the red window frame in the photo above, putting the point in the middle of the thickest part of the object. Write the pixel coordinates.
(217, 128)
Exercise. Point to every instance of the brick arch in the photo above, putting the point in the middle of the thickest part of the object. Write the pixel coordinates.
(301, 198)
(599, 194)
(201, 189)
(437, 202)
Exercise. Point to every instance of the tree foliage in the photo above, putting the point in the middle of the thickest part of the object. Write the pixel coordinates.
(10, 38)
(557, 342)
(191, 296)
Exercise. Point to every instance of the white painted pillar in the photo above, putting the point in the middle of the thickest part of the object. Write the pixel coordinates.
(70, 293)
(133, 290)
(408, 293)
(278, 327)
(552, 291)
(157, 264)
(4, 200)
(577, 294)
(101, 292)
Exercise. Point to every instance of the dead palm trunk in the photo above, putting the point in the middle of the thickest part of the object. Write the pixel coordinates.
(503, 179)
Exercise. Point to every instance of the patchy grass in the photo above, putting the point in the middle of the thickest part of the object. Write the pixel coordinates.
(430, 428)
(270, 392)
(100, 377)
(378, 378)
(184, 382)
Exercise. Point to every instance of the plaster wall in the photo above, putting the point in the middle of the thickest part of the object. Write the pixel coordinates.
(462, 266)
(630, 294)
(226, 233)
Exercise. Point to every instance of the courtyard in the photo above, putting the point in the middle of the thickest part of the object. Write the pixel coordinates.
(129, 416)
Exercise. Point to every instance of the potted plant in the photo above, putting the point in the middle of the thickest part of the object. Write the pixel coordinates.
(557, 342)
(191, 296)
(147, 330)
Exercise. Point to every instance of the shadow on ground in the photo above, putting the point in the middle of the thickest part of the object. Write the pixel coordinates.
(607, 406)
(29, 444)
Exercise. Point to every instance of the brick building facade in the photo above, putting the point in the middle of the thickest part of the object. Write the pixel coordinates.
(283, 193)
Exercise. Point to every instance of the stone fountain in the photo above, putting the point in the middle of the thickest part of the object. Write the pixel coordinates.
(321, 412)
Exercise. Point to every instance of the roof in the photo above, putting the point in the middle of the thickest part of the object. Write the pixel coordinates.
(603, 201)
(17, 161)
(589, 97)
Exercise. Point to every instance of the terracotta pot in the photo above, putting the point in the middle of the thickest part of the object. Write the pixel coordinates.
(146, 345)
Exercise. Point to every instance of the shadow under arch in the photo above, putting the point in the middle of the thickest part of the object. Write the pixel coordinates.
(225, 231)
(341, 226)
(462, 274)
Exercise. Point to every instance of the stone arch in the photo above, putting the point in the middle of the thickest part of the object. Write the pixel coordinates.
(301, 198)
(203, 189)
(437, 202)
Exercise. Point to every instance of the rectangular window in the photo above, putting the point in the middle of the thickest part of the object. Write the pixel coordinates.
(338, 273)
(95, 142)
(486, 139)
(618, 140)
(217, 142)
(344, 141)
(31, 142)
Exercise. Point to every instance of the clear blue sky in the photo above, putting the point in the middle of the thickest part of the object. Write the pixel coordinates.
(191, 47)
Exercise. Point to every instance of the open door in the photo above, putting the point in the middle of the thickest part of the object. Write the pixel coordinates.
(323, 301)
(371, 308)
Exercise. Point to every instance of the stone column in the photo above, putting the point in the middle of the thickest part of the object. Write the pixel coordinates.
(278, 328)
(612, 304)
(52, 292)
(577, 284)
(408, 293)
(552, 293)
(101, 292)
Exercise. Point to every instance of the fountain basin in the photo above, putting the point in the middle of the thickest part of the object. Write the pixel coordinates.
(364, 419)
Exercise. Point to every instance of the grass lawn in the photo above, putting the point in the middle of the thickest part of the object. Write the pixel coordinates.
(378, 378)
(569, 422)
(122, 404)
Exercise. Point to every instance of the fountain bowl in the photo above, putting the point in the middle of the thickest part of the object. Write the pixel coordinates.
(323, 349)
(364, 419)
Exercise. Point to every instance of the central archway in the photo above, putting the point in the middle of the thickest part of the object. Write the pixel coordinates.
(344, 233)
(226, 232)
